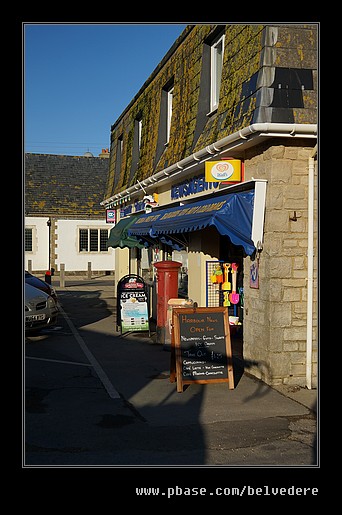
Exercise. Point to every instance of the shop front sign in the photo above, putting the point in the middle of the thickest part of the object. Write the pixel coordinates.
(192, 186)
(226, 171)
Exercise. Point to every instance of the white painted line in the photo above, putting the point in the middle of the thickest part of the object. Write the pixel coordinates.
(60, 361)
(112, 392)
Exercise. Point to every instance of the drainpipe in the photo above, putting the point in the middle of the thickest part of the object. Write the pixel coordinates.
(48, 223)
(309, 315)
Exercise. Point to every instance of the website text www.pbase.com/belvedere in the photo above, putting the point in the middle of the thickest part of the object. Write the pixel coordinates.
(237, 491)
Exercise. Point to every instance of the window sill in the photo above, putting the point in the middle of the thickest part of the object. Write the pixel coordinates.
(212, 112)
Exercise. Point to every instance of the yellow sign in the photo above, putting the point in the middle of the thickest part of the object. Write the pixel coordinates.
(223, 171)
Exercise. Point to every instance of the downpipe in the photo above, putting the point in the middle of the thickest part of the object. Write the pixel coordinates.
(309, 315)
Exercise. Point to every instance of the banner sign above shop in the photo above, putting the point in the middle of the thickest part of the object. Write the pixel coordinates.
(191, 186)
(223, 171)
(230, 214)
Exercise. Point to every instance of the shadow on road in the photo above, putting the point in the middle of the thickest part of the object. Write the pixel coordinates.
(71, 420)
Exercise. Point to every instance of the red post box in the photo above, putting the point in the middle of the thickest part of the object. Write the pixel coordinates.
(167, 288)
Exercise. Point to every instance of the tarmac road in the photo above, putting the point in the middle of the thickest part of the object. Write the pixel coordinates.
(94, 398)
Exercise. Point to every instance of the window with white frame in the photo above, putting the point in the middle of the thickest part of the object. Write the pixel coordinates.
(119, 150)
(137, 132)
(91, 239)
(216, 62)
(139, 127)
(169, 113)
(165, 118)
(120, 145)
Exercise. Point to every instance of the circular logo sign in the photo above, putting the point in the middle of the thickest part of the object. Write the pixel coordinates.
(222, 171)
(111, 214)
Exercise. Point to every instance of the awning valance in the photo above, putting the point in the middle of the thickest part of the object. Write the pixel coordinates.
(118, 236)
(231, 214)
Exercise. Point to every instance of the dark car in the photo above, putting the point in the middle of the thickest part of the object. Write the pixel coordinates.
(41, 285)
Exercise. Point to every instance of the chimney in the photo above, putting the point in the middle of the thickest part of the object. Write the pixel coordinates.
(104, 153)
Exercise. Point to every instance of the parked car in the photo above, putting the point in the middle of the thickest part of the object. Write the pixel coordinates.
(40, 284)
(41, 309)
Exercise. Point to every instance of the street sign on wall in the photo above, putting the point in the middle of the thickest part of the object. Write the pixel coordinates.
(110, 216)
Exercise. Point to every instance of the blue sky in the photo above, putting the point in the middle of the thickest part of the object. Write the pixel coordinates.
(78, 78)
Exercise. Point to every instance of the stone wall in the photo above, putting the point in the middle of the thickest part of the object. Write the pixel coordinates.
(276, 313)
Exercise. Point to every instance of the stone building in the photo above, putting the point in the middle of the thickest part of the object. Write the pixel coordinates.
(64, 222)
(241, 98)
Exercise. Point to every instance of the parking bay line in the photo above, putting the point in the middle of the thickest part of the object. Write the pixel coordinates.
(112, 392)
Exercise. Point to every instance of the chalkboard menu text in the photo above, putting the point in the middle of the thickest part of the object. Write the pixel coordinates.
(201, 347)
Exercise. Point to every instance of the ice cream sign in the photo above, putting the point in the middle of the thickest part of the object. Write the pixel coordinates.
(223, 171)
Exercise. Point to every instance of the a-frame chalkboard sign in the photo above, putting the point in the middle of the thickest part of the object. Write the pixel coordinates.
(201, 349)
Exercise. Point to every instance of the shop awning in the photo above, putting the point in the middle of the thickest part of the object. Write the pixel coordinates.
(118, 236)
(231, 214)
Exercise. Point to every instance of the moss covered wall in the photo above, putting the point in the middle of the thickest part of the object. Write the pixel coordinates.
(269, 75)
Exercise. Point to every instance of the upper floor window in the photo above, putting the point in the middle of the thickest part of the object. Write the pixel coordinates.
(138, 122)
(169, 113)
(120, 146)
(216, 63)
(165, 118)
(137, 132)
(119, 150)
(210, 79)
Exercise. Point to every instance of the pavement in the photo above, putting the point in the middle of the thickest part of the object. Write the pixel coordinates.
(137, 416)
(105, 285)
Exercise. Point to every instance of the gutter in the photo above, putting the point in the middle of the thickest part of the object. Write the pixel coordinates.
(238, 138)
(309, 315)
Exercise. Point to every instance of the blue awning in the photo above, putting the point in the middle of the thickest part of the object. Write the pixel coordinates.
(231, 214)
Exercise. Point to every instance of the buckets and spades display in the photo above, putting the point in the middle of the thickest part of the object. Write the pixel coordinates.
(223, 282)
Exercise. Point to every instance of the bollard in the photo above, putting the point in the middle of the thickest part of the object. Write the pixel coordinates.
(62, 275)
